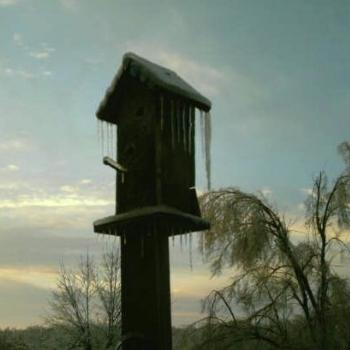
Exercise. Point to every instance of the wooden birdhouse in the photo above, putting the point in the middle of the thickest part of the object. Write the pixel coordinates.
(154, 111)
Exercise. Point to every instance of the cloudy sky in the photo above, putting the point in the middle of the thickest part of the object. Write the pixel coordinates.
(277, 73)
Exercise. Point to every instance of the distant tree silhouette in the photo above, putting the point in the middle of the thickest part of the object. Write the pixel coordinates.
(86, 302)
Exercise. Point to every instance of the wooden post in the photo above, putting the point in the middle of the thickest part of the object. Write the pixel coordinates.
(153, 109)
(146, 308)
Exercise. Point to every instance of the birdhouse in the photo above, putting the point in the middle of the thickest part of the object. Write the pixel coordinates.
(154, 111)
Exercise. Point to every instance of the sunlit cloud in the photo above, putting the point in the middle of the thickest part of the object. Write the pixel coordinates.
(69, 189)
(53, 202)
(12, 167)
(18, 143)
(42, 54)
(38, 277)
(85, 181)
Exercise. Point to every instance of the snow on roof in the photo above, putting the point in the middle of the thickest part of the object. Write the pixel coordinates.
(153, 75)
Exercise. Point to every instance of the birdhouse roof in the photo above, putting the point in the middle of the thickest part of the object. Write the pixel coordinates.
(153, 76)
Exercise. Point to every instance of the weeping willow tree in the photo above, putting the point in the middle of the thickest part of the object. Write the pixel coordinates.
(285, 293)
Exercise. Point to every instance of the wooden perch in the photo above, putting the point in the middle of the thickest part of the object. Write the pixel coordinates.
(113, 164)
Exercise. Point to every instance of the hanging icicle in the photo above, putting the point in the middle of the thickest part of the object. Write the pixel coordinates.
(178, 121)
(190, 250)
(102, 138)
(205, 126)
(201, 124)
(184, 127)
(189, 130)
(110, 140)
(207, 138)
(172, 124)
(99, 134)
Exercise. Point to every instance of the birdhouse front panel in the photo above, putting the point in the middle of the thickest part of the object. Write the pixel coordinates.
(177, 152)
(136, 147)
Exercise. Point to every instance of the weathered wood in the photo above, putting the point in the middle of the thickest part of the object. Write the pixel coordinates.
(170, 221)
(145, 280)
(155, 196)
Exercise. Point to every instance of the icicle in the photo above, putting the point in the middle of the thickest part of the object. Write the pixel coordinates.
(193, 128)
(115, 141)
(106, 138)
(178, 121)
(102, 138)
(105, 146)
(190, 251)
(189, 132)
(207, 140)
(184, 128)
(201, 121)
(172, 122)
(124, 238)
(99, 134)
(161, 113)
(110, 140)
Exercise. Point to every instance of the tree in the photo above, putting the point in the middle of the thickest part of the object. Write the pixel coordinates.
(289, 295)
(108, 289)
(86, 303)
(72, 302)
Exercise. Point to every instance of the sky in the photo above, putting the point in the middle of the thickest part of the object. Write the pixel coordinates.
(277, 73)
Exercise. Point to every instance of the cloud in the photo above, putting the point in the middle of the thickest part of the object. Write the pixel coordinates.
(37, 277)
(42, 54)
(6, 3)
(47, 73)
(12, 167)
(55, 201)
(85, 181)
(11, 72)
(18, 40)
(266, 191)
(14, 144)
(307, 191)
(69, 189)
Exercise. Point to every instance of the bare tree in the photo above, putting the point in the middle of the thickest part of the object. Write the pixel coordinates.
(72, 301)
(280, 283)
(108, 289)
(87, 300)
